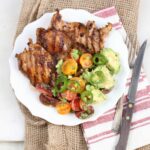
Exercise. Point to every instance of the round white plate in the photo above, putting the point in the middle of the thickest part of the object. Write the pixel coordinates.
(29, 96)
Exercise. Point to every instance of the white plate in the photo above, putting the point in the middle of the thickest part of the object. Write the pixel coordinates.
(29, 96)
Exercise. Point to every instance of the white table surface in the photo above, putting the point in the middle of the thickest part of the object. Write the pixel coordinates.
(9, 14)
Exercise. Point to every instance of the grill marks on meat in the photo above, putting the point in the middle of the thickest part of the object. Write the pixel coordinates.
(94, 39)
(53, 41)
(35, 64)
(91, 26)
(88, 35)
(80, 34)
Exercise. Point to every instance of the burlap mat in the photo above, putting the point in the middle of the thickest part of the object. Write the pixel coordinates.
(40, 135)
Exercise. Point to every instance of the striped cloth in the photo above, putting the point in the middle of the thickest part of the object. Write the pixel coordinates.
(98, 133)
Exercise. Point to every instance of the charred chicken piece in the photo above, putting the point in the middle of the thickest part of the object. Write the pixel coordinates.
(94, 39)
(88, 36)
(53, 41)
(35, 63)
(76, 31)
(90, 29)
(104, 31)
(47, 100)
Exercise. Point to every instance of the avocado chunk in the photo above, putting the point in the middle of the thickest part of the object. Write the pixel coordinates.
(100, 78)
(113, 63)
(107, 82)
(98, 96)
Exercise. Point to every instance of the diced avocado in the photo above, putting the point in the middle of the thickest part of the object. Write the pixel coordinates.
(98, 96)
(86, 75)
(95, 78)
(108, 81)
(89, 87)
(113, 63)
(100, 78)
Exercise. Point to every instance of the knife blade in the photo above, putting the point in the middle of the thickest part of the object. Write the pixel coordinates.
(128, 111)
(136, 73)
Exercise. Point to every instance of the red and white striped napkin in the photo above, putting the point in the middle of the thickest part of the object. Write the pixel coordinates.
(98, 134)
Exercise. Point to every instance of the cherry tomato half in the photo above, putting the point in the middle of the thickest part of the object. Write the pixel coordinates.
(80, 81)
(86, 60)
(69, 95)
(75, 105)
(63, 107)
(69, 67)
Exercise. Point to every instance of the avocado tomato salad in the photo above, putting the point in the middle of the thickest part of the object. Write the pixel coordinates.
(83, 79)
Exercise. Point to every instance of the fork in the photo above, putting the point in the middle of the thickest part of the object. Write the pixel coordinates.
(133, 50)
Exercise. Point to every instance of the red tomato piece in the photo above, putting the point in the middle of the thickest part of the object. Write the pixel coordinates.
(43, 90)
(69, 95)
(75, 105)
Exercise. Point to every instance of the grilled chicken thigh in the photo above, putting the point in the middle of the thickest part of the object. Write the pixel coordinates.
(36, 63)
(53, 41)
(87, 35)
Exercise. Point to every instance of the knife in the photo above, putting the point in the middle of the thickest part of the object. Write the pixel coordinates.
(128, 111)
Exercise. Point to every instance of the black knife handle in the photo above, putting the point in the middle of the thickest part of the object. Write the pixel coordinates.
(125, 127)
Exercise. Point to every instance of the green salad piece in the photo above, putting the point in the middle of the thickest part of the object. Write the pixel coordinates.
(87, 97)
(61, 84)
(86, 75)
(89, 87)
(97, 77)
(99, 59)
(98, 96)
(113, 63)
(58, 66)
(74, 86)
(75, 54)
(54, 91)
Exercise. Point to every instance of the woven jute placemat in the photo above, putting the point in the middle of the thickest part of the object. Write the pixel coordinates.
(40, 135)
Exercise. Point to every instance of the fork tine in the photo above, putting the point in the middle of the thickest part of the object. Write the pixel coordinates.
(132, 51)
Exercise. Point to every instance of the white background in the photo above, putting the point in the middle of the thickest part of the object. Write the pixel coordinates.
(11, 119)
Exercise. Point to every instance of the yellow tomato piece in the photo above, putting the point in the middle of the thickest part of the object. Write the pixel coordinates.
(63, 108)
(86, 60)
(80, 81)
(69, 67)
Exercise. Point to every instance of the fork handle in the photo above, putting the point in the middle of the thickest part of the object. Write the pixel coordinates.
(125, 127)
